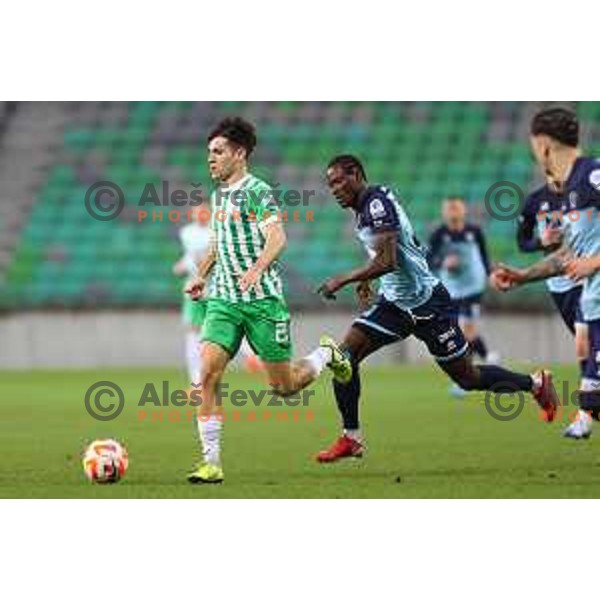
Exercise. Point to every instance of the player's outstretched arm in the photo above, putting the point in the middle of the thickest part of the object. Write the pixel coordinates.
(552, 265)
(195, 287)
(384, 260)
(506, 277)
(207, 262)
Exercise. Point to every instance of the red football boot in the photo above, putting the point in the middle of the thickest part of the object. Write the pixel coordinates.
(344, 447)
(546, 396)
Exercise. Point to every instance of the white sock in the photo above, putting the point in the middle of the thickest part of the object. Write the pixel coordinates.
(318, 359)
(192, 356)
(537, 380)
(210, 436)
(353, 434)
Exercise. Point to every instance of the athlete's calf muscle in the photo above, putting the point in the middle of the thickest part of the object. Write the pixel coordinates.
(214, 362)
(289, 378)
(359, 344)
(463, 372)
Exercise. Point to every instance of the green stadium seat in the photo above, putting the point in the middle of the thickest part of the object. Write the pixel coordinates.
(427, 150)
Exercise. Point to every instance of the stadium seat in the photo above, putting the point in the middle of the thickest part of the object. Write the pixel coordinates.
(425, 150)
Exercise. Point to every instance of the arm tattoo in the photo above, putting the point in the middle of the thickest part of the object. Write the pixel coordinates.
(552, 265)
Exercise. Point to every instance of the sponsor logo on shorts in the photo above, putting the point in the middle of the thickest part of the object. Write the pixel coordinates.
(446, 336)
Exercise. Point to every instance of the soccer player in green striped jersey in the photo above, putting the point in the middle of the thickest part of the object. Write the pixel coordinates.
(246, 293)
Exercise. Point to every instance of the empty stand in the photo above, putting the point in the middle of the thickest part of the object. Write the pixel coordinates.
(54, 253)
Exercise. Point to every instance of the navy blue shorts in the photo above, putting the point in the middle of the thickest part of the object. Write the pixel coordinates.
(434, 323)
(468, 308)
(591, 371)
(569, 306)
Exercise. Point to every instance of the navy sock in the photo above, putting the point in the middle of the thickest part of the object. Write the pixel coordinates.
(494, 377)
(590, 402)
(479, 347)
(347, 396)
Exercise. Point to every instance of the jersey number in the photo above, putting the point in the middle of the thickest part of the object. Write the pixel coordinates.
(282, 332)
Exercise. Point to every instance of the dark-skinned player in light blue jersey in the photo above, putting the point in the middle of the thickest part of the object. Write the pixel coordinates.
(410, 301)
(574, 189)
(458, 256)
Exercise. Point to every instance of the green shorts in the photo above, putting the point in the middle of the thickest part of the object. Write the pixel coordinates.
(265, 323)
(193, 312)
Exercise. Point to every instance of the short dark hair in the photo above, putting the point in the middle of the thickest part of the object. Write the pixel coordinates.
(348, 162)
(560, 124)
(236, 130)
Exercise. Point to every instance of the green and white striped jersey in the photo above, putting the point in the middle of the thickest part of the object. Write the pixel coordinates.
(239, 215)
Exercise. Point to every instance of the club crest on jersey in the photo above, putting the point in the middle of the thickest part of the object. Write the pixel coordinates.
(595, 179)
(376, 208)
(545, 206)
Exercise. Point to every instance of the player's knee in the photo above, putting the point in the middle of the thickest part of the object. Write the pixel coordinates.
(211, 374)
(467, 379)
(468, 382)
(582, 350)
(581, 355)
(582, 342)
(210, 379)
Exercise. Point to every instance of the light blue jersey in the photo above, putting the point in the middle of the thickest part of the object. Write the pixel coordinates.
(469, 278)
(411, 284)
(581, 225)
(531, 228)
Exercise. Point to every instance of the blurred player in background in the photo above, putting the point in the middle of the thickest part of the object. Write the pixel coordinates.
(195, 241)
(411, 301)
(573, 190)
(246, 294)
(458, 256)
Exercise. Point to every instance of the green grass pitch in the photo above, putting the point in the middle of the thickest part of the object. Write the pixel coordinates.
(421, 443)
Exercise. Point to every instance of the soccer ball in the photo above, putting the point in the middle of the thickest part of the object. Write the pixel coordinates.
(105, 461)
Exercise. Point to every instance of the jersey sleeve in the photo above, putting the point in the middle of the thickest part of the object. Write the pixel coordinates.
(435, 255)
(527, 238)
(263, 204)
(591, 185)
(379, 212)
(481, 243)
